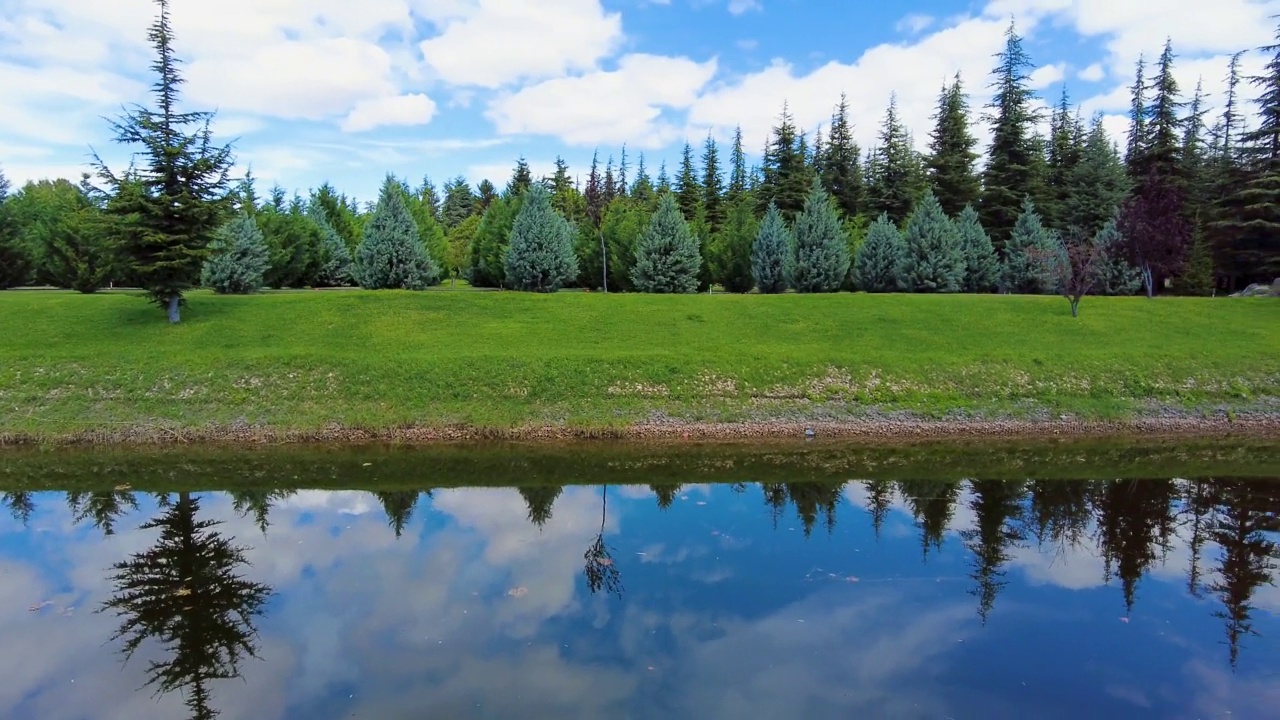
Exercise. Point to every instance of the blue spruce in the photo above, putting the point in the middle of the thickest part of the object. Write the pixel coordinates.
(540, 257)
(981, 265)
(667, 256)
(391, 254)
(822, 251)
(1029, 255)
(881, 259)
(935, 261)
(772, 258)
(238, 258)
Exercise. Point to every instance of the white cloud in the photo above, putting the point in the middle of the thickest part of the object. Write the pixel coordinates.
(914, 23)
(416, 109)
(1093, 73)
(738, 7)
(1046, 75)
(491, 43)
(747, 44)
(607, 107)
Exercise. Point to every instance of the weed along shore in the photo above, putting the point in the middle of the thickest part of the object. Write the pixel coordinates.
(391, 365)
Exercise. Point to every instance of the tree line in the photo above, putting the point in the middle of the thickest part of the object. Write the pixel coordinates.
(1189, 205)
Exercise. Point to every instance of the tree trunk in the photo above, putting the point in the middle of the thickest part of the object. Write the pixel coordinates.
(604, 263)
(174, 316)
(1147, 281)
(1075, 307)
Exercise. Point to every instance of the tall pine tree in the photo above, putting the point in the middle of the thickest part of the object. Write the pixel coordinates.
(1010, 171)
(712, 186)
(785, 169)
(841, 163)
(895, 175)
(952, 156)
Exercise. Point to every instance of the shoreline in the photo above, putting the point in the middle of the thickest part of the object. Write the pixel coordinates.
(879, 430)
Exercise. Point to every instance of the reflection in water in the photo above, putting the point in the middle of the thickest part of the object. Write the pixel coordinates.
(184, 593)
(601, 571)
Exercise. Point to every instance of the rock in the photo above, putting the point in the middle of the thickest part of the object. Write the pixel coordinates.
(1259, 290)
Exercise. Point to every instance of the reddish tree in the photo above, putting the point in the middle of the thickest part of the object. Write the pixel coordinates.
(1155, 232)
(1073, 266)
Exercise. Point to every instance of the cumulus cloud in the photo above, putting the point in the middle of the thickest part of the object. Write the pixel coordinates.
(738, 7)
(1093, 73)
(415, 109)
(914, 23)
(1046, 75)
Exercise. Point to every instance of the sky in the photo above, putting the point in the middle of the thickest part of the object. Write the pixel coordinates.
(330, 90)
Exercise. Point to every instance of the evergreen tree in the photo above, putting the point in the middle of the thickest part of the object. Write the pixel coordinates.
(540, 257)
(1164, 126)
(488, 266)
(459, 204)
(294, 245)
(785, 169)
(1115, 275)
(821, 249)
(1197, 277)
(664, 182)
(625, 220)
(688, 190)
(667, 258)
(1025, 270)
(952, 156)
(1066, 151)
(620, 189)
(773, 253)
(238, 258)
(335, 259)
(738, 168)
(339, 216)
(521, 178)
(594, 195)
(880, 263)
(459, 241)
(427, 195)
(16, 258)
(431, 232)
(392, 255)
(642, 189)
(713, 207)
(935, 260)
(66, 236)
(1097, 185)
(981, 266)
(1137, 121)
(181, 192)
(841, 163)
(895, 175)
(486, 193)
(1010, 172)
(731, 248)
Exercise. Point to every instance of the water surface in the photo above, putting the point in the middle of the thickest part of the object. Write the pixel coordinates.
(819, 581)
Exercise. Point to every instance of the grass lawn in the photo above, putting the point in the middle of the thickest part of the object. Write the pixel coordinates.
(302, 360)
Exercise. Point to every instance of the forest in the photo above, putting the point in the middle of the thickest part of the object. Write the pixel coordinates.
(1189, 205)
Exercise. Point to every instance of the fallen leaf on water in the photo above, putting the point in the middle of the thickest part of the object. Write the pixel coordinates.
(516, 592)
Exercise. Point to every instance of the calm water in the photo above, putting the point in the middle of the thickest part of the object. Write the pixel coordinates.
(803, 582)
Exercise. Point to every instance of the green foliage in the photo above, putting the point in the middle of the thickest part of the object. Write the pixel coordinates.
(880, 263)
(821, 249)
(430, 231)
(1115, 275)
(1024, 270)
(1097, 184)
(335, 267)
(713, 200)
(625, 220)
(391, 255)
(1065, 153)
(895, 171)
(16, 259)
(935, 259)
(340, 216)
(458, 244)
(66, 238)
(295, 245)
(1012, 157)
(1197, 276)
(667, 257)
(239, 258)
(981, 265)
(841, 163)
(688, 189)
(952, 155)
(459, 204)
(731, 248)
(773, 254)
(540, 257)
(489, 247)
(785, 169)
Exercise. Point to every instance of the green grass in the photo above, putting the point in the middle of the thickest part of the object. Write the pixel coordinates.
(302, 360)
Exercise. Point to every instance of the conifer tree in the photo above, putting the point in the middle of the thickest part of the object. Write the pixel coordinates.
(177, 198)
(1115, 275)
(486, 193)
(16, 260)
(488, 266)
(429, 197)
(881, 260)
(594, 194)
(642, 189)
(1197, 277)
(981, 266)
(688, 189)
(935, 260)
(841, 172)
(713, 207)
(1066, 150)
(1009, 175)
(821, 249)
(459, 204)
(339, 215)
(621, 188)
(237, 258)
(610, 183)
(625, 220)
(772, 253)
(895, 176)
(1025, 270)
(521, 178)
(294, 244)
(664, 181)
(335, 258)
(737, 168)
(731, 247)
(667, 258)
(785, 169)
(392, 254)
(540, 257)
(1097, 185)
(952, 156)
(1164, 126)
(1137, 121)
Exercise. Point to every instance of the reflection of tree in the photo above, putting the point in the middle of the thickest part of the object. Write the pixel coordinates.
(1135, 520)
(183, 593)
(994, 504)
(104, 508)
(932, 503)
(813, 499)
(399, 506)
(1248, 511)
(1199, 508)
(879, 499)
(775, 496)
(1059, 513)
(258, 501)
(540, 499)
(20, 505)
(600, 569)
(666, 494)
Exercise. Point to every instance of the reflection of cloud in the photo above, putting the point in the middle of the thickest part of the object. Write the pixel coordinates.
(346, 502)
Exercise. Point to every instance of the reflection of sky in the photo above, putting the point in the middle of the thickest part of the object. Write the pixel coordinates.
(474, 612)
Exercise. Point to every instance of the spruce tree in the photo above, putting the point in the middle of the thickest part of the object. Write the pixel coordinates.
(521, 178)
(882, 258)
(688, 189)
(1097, 185)
(335, 258)
(181, 193)
(1116, 276)
(895, 175)
(1164, 125)
(664, 181)
(392, 254)
(737, 168)
(338, 214)
(785, 169)
(1197, 277)
(981, 265)
(540, 257)
(822, 251)
(731, 247)
(667, 258)
(841, 163)
(294, 246)
(625, 220)
(488, 266)
(621, 187)
(16, 260)
(459, 204)
(486, 193)
(935, 259)
(772, 253)
(1137, 141)
(427, 195)
(1009, 175)
(1065, 152)
(713, 207)
(952, 156)
(642, 189)
(238, 258)
(1025, 269)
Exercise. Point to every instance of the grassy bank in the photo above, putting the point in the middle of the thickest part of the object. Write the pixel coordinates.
(305, 361)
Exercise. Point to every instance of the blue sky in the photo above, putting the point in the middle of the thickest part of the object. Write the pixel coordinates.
(332, 90)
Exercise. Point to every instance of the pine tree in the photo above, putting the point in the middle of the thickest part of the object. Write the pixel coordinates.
(1163, 146)
(294, 245)
(821, 249)
(1066, 151)
(731, 247)
(625, 220)
(521, 178)
(785, 169)
(1010, 172)
(540, 257)
(430, 199)
(688, 190)
(16, 259)
(935, 259)
(667, 259)
(952, 156)
(738, 168)
(237, 258)
(1024, 270)
(664, 182)
(642, 189)
(392, 255)
(459, 204)
(880, 263)
(1115, 275)
(181, 192)
(431, 231)
(488, 266)
(339, 215)
(486, 193)
(982, 267)
(841, 163)
(1137, 121)
(620, 190)
(1098, 183)
(895, 176)
(1197, 277)
(335, 258)
(772, 253)
(712, 186)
